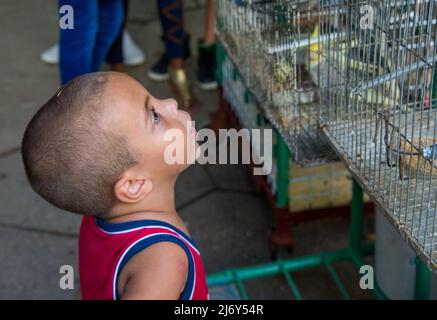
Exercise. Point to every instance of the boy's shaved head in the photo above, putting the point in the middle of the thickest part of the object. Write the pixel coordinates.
(70, 160)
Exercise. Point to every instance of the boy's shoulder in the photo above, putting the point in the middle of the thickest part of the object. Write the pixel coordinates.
(156, 272)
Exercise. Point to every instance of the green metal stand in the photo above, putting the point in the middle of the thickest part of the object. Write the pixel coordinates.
(353, 253)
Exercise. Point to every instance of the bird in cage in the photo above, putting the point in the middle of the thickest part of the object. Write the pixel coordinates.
(415, 162)
(415, 154)
(283, 74)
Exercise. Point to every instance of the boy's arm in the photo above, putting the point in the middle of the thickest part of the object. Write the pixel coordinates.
(157, 273)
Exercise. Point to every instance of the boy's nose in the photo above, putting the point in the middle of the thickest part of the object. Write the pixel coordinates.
(172, 105)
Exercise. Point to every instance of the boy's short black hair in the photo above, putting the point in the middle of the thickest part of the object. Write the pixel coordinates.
(69, 160)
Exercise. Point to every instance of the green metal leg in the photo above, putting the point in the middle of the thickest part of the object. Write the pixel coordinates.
(356, 246)
(423, 280)
(283, 158)
(281, 237)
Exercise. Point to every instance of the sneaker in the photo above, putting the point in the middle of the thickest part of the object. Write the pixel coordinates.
(132, 54)
(206, 65)
(51, 55)
(159, 71)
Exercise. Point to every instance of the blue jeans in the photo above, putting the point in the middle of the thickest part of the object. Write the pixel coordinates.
(115, 54)
(83, 49)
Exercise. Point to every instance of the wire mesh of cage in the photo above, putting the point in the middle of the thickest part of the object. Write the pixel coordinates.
(274, 46)
(378, 105)
(247, 110)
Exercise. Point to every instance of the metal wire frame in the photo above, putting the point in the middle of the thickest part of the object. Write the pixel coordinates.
(271, 43)
(353, 253)
(378, 106)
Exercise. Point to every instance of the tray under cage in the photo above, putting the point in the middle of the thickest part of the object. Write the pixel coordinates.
(378, 106)
(272, 44)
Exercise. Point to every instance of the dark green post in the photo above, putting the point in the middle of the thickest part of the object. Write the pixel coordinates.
(282, 158)
(357, 217)
(423, 280)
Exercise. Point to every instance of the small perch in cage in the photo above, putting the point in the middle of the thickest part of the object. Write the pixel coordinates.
(401, 72)
(386, 95)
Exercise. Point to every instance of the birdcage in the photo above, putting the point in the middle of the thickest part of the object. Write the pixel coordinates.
(272, 43)
(378, 106)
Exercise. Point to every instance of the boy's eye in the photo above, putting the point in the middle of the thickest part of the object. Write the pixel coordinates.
(155, 116)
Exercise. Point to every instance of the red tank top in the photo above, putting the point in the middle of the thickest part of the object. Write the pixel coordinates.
(104, 249)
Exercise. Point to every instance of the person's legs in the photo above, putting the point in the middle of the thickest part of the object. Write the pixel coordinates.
(176, 49)
(124, 52)
(176, 41)
(110, 19)
(77, 45)
(172, 22)
(115, 55)
(209, 37)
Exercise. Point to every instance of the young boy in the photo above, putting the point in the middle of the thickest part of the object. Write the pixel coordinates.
(97, 148)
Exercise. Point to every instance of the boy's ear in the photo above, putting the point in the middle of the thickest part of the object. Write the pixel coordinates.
(131, 190)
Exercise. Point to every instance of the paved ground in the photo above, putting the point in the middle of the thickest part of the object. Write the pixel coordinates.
(227, 218)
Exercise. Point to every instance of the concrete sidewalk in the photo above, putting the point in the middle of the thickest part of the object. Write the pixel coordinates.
(228, 220)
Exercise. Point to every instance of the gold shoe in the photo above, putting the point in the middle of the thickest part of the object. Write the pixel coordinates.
(181, 86)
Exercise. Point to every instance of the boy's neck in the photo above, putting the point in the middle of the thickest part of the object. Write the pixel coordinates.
(158, 205)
